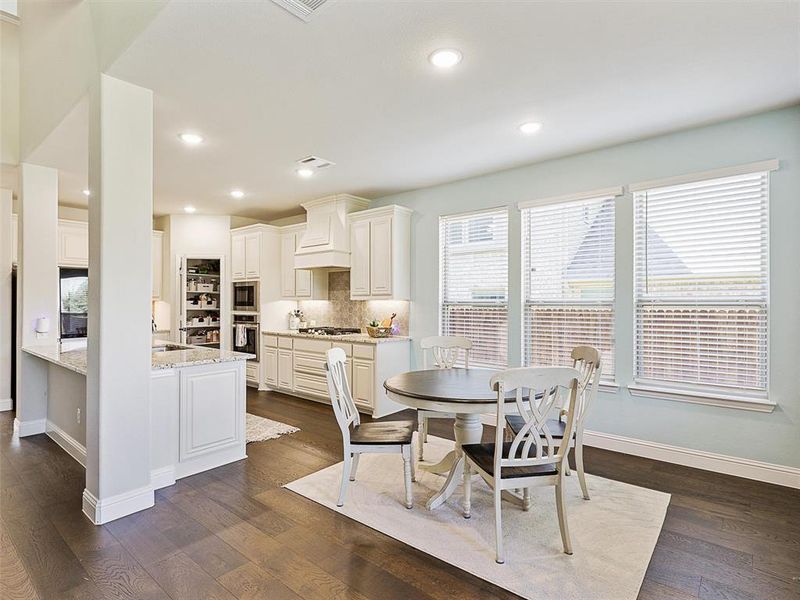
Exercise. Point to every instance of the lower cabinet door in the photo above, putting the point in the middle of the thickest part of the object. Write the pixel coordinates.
(210, 411)
(363, 384)
(270, 366)
(285, 368)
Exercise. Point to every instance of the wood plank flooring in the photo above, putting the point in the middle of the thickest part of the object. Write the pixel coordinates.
(235, 533)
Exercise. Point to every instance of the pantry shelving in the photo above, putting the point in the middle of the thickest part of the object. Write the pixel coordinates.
(202, 297)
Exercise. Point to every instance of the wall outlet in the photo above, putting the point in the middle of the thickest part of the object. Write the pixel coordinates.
(78, 416)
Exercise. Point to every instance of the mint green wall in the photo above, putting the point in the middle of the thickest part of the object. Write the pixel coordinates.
(774, 437)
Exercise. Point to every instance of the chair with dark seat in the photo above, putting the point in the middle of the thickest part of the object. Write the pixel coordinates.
(386, 437)
(587, 360)
(532, 457)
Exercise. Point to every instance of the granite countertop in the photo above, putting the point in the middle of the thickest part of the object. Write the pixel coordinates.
(72, 356)
(361, 338)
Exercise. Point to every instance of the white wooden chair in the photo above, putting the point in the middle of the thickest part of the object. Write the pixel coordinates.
(384, 438)
(445, 351)
(587, 360)
(532, 457)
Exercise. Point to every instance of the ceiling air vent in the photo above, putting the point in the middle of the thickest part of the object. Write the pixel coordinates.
(302, 9)
(314, 162)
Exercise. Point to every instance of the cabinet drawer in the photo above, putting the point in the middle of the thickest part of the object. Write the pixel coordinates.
(348, 348)
(251, 371)
(366, 351)
(307, 345)
(309, 363)
(285, 342)
(311, 384)
(271, 341)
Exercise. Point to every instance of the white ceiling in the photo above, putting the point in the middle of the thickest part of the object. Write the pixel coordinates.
(354, 86)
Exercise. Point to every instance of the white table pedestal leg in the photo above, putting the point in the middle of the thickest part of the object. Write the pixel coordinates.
(468, 429)
(442, 467)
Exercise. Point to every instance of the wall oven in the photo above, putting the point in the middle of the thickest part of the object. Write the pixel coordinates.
(245, 296)
(246, 331)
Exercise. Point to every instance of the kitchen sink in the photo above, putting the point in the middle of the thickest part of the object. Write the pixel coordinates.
(169, 348)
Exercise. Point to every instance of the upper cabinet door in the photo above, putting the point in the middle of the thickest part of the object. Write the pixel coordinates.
(380, 256)
(287, 265)
(303, 283)
(73, 244)
(157, 251)
(252, 255)
(238, 256)
(359, 259)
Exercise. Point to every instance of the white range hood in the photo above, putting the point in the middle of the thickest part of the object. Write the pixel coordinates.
(326, 241)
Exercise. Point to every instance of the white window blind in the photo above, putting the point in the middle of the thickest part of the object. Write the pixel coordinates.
(568, 271)
(701, 283)
(473, 260)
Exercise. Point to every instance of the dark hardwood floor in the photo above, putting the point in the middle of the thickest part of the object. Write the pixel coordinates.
(235, 533)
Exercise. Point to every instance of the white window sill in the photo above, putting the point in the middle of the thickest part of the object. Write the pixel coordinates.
(647, 390)
(608, 386)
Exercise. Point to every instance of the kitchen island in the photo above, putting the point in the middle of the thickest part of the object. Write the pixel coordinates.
(197, 406)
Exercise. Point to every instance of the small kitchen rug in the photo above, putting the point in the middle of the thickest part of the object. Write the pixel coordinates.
(260, 429)
(613, 534)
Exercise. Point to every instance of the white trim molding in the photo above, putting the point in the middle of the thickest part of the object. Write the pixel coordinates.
(609, 192)
(68, 443)
(756, 167)
(697, 459)
(163, 477)
(702, 397)
(26, 428)
(6, 404)
(116, 507)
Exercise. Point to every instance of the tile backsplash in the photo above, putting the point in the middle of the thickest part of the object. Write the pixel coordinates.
(340, 311)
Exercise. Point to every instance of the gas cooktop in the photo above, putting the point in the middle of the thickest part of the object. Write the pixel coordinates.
(329, 330)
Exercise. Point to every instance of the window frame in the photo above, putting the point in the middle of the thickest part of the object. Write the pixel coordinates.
(441, 273)
(707, 394)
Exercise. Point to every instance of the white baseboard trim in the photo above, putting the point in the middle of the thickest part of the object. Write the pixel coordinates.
(68, 443)
(6, 404)
(698, 459)
(116, 507)
(163, 477)
(26, 428)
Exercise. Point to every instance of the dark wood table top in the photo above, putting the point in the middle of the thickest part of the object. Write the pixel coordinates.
(466, 386)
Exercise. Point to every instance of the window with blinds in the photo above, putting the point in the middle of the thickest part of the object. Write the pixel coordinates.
(701, 283)
(568, 271)
(473, 260)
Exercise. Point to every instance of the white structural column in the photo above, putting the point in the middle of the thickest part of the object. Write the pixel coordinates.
(37, 290)
(119, 345)
(5, 299)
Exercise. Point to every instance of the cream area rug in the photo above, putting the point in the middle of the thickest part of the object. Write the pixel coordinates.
(260, 429)
(613, 534)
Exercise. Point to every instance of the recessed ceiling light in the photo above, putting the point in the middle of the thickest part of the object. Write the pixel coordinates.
(237, 194)
(530, 128)
(445, 58)
(191, 139)
(189, 209)
(87, 193)
(305, 173)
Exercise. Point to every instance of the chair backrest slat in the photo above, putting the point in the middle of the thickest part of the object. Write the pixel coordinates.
(339, 390)
(540, 392)
(587, 361)
(445, 350)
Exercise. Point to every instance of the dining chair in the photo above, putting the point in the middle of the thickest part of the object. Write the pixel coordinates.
(588, 362)
(445, 351)
(532, 457)
(361, 438)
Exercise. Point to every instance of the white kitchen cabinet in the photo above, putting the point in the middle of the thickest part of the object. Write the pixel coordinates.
(246, 255)
(363, 383)
(299, 284)
(73, 243)
(252, 255)
(157, 258)
(380, 256)
(285, 369)
(359, 267)
(238, 258)
(14, 239)
(269, 357)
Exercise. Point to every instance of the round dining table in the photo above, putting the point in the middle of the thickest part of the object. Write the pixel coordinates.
(464, 393)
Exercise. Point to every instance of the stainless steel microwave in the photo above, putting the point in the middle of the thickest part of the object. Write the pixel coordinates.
(245, 296)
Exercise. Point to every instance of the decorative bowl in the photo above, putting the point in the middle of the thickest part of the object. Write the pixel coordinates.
(379, 332)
